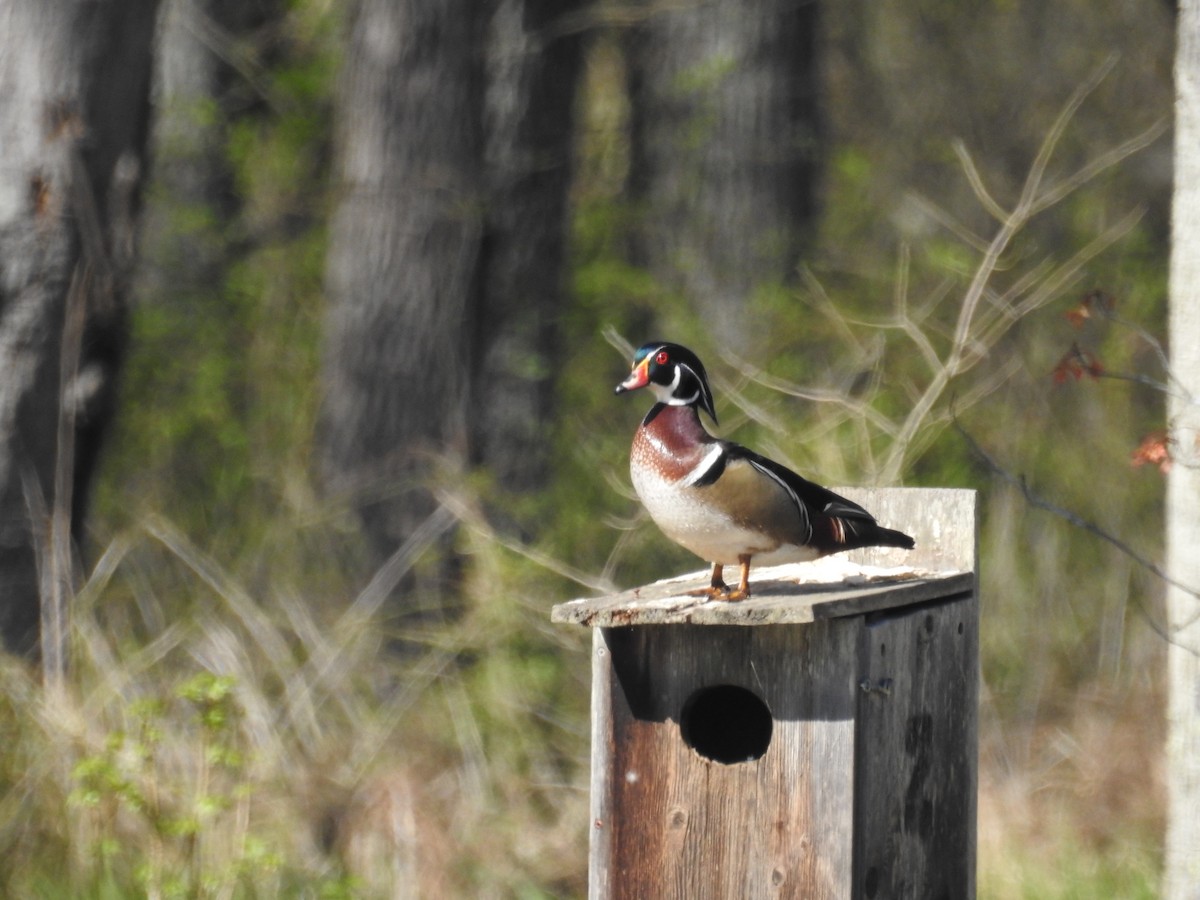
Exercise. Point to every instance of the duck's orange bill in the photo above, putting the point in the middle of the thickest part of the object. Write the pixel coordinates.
(639, 377)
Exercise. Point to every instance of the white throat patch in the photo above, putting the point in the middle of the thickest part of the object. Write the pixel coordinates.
(666, 393)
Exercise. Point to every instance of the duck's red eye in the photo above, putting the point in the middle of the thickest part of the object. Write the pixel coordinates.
(662, 357)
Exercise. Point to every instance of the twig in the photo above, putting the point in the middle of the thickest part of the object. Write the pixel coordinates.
(1104, 161)
(976, 181)
(57, 571)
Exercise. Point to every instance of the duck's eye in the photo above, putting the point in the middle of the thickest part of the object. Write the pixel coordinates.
(662, 357)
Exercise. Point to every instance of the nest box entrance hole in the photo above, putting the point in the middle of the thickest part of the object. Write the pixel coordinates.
(726, 723)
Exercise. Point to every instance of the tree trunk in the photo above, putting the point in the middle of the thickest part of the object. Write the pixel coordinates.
(403, 258)
(1183, 481)
(445, 268)
(532, 74)
(724, 133)
(74, 110)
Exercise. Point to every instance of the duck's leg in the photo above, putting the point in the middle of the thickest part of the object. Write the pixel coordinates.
(743, 589)
(717, 587)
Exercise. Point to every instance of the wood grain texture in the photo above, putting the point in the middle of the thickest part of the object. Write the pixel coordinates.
(774, 602)
(1182, 857)
(916, 751)
(668, 822)
(943, 522)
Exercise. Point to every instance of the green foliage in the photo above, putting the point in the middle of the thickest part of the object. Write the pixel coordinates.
(281, 750)
(130, 778)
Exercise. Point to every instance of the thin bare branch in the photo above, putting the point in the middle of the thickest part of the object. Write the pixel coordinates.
(1057, 281)
(826, 395)
(1100, 164)
(1160, 352)
(998, 212)
(1010, 226)
(615, 339)
(58, 570)
(735, 395)
(1023, 285)
(1026, 206)
(471, 519)
(1146, 381)
(224, 586)
(947, 221)
(829, 309)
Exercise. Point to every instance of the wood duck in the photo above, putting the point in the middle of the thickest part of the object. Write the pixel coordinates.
(723, 502)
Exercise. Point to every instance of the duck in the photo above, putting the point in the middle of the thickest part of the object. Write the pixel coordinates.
(724, 502)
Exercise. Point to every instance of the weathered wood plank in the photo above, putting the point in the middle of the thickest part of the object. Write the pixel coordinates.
(916, 753)
(601, 805)
(779, 597)
(668, 822)
(941, 520)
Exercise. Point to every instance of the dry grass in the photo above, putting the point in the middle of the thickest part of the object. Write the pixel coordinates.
(210, 743)
(1083, 815)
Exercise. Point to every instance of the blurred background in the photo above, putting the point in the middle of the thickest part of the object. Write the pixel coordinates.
(389, 261)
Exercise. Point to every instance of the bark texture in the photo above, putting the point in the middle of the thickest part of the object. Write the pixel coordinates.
(532, 74)
(1183, 482)
(74, 112)
(404, 256)
(725, 136)
(445, 268)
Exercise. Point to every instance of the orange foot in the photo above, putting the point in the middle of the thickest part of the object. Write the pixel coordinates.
(712, 592)
(743, 588)
(720, 592)
(717, 589)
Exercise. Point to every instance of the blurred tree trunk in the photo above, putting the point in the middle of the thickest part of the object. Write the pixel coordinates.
(74, 111)
(445, 267)
(532, 77)
(1183, 481)
(724, 150)
(403, 261)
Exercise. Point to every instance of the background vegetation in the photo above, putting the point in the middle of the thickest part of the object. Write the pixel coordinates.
(238, 721)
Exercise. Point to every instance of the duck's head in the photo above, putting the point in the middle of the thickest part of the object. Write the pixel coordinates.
(674, 375)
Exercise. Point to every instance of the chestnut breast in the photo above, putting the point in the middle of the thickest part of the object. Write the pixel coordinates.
(671, 442)
(670, 452)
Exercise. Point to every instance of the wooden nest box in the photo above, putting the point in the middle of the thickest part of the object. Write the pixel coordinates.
(818, 740)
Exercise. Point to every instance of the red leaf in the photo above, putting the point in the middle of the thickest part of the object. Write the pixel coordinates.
(1154, 450)
(1093, 303)
(1077, 315)
(1076, 363)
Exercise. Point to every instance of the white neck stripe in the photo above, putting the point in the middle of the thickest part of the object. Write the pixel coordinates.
(711, 458)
